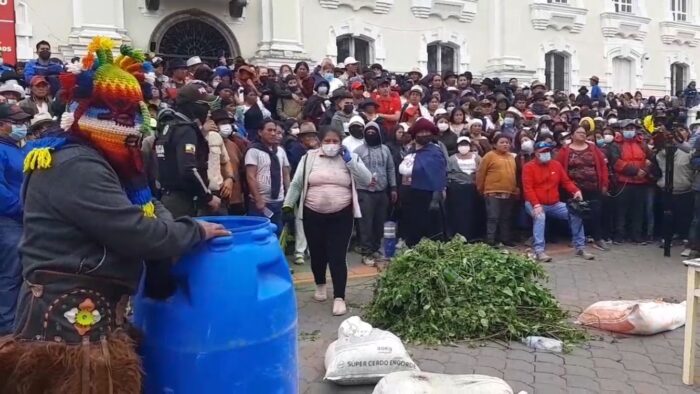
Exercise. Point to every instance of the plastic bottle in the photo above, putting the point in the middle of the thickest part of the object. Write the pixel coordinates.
(389, 239)
(542, 343)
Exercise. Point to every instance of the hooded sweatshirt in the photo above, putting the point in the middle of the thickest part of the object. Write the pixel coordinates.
(350, 141)
(378, 161)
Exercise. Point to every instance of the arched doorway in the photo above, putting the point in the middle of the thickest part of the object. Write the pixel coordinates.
(193, 33)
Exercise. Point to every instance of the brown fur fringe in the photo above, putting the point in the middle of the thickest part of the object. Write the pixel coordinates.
(52, 368)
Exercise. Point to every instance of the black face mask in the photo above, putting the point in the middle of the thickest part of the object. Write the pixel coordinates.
(357, 131)
(373, 139)
(424, 140)
(45, 55)
(347, 108)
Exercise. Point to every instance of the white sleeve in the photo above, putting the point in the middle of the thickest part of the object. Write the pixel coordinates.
(406, 166)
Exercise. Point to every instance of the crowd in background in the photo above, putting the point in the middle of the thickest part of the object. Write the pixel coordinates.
(327, 148)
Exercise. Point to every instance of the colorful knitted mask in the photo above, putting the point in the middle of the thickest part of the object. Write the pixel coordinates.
(106, 98)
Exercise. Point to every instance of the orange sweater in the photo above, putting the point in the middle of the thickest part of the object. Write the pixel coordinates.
(496, 174)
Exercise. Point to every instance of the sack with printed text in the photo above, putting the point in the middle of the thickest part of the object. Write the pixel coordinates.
(640, 317)
(363, 354)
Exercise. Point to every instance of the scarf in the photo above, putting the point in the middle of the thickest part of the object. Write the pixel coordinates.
(429, 169)
(275, 170)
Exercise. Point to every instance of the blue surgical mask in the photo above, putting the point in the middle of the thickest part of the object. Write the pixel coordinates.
(545, 157)
(19, 132)
(629, 134)
(328, 76)
(600, 143)
(508, 121)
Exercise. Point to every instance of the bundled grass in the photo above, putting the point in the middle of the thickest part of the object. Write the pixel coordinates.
(446, 292)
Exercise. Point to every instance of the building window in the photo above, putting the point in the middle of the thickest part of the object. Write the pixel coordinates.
(558, 1)
(679, 9)
(679, 77)
(441, 58)
(622, 75)
(357, 47)
(557, 69)
(623, 6)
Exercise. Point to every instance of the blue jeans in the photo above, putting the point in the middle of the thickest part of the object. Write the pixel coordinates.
(10, 272)
(275, 207)
(555, 211)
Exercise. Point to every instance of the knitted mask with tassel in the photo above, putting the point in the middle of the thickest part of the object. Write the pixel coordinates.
(106, 97)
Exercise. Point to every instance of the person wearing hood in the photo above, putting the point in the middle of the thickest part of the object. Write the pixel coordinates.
(374, 196)
(425, 170)
(345, 111)
(356, 128)
(317, 105)
(542, 179)
(446, 136)
(291, 108)
(631, 162)
(462, 196)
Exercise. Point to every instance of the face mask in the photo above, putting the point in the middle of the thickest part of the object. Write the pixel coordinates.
(509, 121)
(372, 139)
(294, 131)
(450, 109)
(347, 108)
(443, 126)
(544, 130)
(284, 75)
(612, 120)
(600, 142)
(629, 134)
(322, 90)
(608, 138)
(45, 55)
(330, 150)
(423, 140)
(328, 76)
(357, 131)
(11, 101)
(19, 132)
(527, 146)
(545, 157)
(225, 130)
(464, 149)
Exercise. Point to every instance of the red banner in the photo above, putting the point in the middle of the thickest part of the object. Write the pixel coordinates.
(8, 39)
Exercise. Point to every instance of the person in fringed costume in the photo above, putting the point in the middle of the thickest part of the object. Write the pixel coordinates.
(90, 224)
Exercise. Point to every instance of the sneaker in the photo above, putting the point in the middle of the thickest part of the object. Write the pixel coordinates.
(368, 261)
(542, 257)
(299, 259)
(589, 240)
(686, 252)
(320, 293)
(601, 245)
(339, 308)
(584, 255)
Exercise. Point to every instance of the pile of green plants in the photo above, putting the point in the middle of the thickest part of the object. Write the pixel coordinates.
(446, 292)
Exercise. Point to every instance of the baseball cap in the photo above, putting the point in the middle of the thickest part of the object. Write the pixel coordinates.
(176, 64)
(543, 146)
(463, 139)
(417, 89)
(356, 85)
(12, 112)
(194, 93)
(37, 79)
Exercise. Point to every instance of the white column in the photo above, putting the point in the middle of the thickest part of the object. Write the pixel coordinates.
(500, 64)
(95, 18)
(281, 33)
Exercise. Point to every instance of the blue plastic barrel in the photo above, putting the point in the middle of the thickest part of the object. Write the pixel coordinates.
(231, 326)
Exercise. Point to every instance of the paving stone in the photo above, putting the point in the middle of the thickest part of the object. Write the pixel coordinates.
(463, 359)
(549, 389)
(614, 385)
(549, 368)
(549, 378)
(548, 358)
(643, 377)
(607, 363)
(520, 376)
(644, 388)
(667, 368)
(638, 366)
(521, 355)
(520, 365)
(431, 366)
(580, 371)
(488, 371)
(585, 382)
(493, 362)
(580, 361)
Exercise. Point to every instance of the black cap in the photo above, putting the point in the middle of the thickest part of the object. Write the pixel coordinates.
(383, 80)
(340, 93)
(176, 64)
(12, 112)
(376, 65)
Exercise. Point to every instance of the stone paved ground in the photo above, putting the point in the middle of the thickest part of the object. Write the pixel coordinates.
(611, 364)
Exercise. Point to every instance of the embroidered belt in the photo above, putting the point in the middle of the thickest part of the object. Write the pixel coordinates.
(70, 308)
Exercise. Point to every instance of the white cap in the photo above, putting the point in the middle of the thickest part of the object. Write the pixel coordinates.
(439, 111)
(12, 86)
(417, 88)
(357, 120)
(41, 117)
(463, 139)
(193, 61)
(350, 60)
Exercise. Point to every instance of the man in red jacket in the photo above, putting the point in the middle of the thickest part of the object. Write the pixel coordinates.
(542, 179)
(389, 105)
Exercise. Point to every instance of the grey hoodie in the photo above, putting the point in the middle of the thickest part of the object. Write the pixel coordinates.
(378, 161)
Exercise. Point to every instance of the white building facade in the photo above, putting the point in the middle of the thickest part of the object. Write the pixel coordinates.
(647, 45)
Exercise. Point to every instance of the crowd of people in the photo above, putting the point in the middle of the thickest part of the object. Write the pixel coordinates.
(333, 151)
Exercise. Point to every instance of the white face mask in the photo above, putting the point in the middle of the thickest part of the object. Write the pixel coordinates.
(225, 130)
(608, 138)
(567, 141)
(330, 150)
(527, 146)
(544, 129)
(612, 120)
(322, 90)
(294, 131)
(464, 149)
(443, 126)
